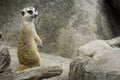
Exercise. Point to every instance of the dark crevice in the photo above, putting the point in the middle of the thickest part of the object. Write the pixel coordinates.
(114, 16)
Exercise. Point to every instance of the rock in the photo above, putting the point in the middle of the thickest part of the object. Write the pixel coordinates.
(7, 75)
(87, 23)
(77, 70)
(92, 47)
(38, 73)
(63, 25)
(107, 67)
(114, 42)
(5, 70)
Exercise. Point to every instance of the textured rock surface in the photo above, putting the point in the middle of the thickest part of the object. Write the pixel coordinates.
(64, 25)
(5, 70)
(38, 73)
(115, 42)
(77, 71)
(107, 67)
(46, 61)
(92, 47)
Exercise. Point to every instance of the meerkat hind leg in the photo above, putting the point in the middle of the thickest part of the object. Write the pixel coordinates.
(21, 67)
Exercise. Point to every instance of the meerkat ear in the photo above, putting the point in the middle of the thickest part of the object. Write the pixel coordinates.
(22, 12)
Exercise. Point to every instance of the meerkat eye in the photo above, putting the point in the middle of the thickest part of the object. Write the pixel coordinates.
(30, 11)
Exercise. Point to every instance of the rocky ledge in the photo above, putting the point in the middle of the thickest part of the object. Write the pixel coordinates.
(98, 60)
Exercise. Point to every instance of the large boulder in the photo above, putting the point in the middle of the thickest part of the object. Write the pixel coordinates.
(106, 67)
(38, 73)
(92, 47)
(114, 42)
(64, 25)
(5, 70)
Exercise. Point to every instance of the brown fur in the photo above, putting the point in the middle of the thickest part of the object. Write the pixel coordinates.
(28, 55)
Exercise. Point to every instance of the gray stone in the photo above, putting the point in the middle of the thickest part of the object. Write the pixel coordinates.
(7, 75)
(92, 47)
(63, 25)
(38, 73)
(77, 70)
(106, 67)
(88, 22)
(5, 70)
(114, 42)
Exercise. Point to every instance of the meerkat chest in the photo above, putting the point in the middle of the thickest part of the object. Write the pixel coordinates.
(30, 27)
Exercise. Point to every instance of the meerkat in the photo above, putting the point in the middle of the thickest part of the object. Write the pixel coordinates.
(27, 52)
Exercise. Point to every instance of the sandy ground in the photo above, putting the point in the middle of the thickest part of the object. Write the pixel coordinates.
(46, 60)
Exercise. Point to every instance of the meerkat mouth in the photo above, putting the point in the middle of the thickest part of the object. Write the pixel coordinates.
(34, 16)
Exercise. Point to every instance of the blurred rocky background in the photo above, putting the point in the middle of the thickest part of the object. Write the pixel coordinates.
(63, 25)
(70, 29)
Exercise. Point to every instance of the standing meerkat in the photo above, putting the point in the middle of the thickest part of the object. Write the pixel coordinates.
(28, 55)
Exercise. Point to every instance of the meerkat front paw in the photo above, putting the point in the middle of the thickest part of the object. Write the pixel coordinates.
(40, 45)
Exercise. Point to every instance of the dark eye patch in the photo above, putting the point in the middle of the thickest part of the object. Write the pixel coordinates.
(30, 11)
(22, 13)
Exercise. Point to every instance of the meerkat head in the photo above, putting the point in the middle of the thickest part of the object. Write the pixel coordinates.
(29, 13)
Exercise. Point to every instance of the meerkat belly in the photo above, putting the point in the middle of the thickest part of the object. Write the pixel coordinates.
(27, 51)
